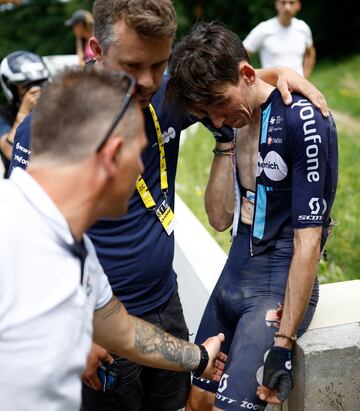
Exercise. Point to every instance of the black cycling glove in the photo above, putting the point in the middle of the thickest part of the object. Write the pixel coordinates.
(278, 372)
(224, 134)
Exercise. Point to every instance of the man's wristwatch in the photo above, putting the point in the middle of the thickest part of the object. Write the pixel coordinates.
(204, 359)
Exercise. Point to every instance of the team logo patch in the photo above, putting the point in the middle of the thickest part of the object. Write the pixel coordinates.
(314, 205)
(316, 211)
(168, 135)
(273, 166)
(223, 383)
(273, 140)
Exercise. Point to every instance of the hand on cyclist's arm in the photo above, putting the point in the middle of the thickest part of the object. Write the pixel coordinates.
(288, 81)
(144, 343)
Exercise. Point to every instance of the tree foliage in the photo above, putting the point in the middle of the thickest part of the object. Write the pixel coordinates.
(38, 25)
(335, 28)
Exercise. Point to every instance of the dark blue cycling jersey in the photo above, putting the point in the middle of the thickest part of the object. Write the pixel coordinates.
(135, 251)
(297, 170)
(7, 119)
(21, 148)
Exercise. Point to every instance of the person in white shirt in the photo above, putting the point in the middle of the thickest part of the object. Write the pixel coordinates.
(87, 137)
(283, 40)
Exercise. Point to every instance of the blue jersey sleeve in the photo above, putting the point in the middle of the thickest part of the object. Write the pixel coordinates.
(21, 148)
(310, 147)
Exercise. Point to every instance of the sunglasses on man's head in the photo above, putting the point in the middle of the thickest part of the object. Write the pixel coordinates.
(131, 92)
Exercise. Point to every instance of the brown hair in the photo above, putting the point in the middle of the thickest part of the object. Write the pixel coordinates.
(205, 59)
(75, 111)
(147, 17)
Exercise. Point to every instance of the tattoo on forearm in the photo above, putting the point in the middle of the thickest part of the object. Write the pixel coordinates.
(113, 307)
(153, 340)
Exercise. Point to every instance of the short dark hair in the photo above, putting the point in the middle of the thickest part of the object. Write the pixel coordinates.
(75, 111)
(208, 57)
(147, 17)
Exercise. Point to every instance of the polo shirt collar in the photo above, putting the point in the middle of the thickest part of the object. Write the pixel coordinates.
(42, 203)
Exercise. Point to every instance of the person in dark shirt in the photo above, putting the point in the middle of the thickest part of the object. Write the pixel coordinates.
(21, 75)
(54, 296)
(286, 161)
(136, 251)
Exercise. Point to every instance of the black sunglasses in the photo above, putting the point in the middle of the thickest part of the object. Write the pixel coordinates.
(131, 92)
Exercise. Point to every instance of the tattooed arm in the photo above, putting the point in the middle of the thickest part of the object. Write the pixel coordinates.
(144, 343)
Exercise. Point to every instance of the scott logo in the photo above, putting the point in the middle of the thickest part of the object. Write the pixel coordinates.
(224, 399)
(223, 383)
(314, 205)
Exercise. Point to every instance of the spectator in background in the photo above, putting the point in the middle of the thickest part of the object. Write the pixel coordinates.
(21, 75)
(283, 40)
(81, 23)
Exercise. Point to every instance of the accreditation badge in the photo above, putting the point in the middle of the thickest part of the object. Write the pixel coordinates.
(166, 217)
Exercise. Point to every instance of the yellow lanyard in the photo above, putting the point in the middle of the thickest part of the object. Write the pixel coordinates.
(141, 186)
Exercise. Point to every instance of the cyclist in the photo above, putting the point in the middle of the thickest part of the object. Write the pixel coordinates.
(276, 183)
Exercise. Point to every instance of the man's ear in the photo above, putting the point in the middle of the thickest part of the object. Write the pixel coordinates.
(247, 72)
(96, 49)
(109, 155)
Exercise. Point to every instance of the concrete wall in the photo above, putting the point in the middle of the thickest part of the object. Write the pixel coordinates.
(198, 262)
(327, 356)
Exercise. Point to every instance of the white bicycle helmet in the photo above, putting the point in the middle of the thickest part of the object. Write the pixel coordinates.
(21, 67)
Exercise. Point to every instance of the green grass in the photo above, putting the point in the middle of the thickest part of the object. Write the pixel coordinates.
(340, 82)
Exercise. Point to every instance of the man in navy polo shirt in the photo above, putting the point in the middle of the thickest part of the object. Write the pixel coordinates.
(137, 250)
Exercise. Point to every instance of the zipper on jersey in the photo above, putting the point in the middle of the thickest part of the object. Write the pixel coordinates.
(252, 224)
(256, 184)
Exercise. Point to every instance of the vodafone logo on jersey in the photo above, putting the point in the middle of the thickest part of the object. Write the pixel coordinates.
(273, 166)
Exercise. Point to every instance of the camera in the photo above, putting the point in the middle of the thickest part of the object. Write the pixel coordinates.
(109, 375)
